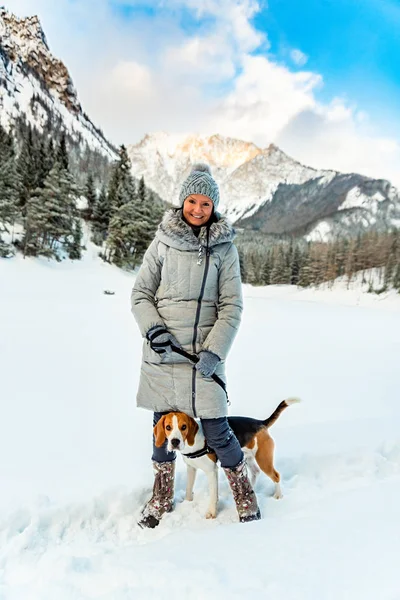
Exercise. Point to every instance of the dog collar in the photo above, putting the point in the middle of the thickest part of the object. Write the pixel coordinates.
(199, 453)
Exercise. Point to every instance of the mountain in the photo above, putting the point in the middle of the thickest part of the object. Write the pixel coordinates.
(37, 87)
(266, 190)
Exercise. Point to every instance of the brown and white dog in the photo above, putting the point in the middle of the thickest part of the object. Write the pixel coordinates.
(185, 434)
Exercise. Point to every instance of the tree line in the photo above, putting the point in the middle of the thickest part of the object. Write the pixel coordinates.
(266, 261)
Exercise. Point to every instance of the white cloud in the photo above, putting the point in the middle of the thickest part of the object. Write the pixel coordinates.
(265, 98)
(153, 72)
(129, 76)
(331, 137)
(233, 17)
(298, 57)
(195, 59)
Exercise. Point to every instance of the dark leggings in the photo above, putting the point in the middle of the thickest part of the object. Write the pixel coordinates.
(219, 436)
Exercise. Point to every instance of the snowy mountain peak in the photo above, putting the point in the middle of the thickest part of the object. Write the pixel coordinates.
(219, 151)
(25, 42)
(216, 150)
(265, 189)
(23, 33)
(36, 86)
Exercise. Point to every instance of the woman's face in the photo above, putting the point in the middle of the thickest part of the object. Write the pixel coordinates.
(197, 209)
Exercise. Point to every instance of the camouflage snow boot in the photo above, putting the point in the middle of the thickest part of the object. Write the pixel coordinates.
(243, 493)
(162, 500)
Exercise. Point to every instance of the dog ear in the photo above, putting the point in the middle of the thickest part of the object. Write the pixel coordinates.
(192, 430)
(159, 432)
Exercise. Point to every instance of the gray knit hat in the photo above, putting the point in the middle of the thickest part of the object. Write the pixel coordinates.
(200, 181)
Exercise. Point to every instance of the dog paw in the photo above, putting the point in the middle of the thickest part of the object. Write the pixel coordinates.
(189, 498)
(278, 492)
(211, 514)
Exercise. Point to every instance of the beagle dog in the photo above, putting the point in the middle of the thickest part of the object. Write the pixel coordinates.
(185, 434)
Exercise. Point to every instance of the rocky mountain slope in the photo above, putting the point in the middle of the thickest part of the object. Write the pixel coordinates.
(266, 190)
(37, 86)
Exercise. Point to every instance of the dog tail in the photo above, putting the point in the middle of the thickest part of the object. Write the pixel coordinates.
(279, 409)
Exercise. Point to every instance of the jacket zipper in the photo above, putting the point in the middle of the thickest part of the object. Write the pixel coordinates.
(196, 323)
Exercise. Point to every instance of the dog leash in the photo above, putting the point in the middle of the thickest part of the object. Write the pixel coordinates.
(194, 359)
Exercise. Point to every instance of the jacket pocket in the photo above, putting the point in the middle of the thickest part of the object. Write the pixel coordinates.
(150, 356)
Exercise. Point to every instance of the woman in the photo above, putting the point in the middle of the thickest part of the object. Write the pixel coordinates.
(187, 294)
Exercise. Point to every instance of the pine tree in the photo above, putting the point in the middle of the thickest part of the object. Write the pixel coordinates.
(305, 275)
(101, 217)
(392, 259)
(52, 225)
(27, 168)
(280, 273)
(122, 188)
(350, 261)
(252, 269)
(51, 215)
(266, 269)
(62, 153)
(9, 193)
(9, 188)
(132, 227)
(141, 190)
(91, 197)
(331, 268)
(295, 266)
(123, 236)
(396, 278)
(45, 163)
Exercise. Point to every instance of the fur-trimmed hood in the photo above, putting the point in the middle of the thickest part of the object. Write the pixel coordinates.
(174, 232)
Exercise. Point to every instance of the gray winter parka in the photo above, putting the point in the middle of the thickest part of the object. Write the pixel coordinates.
(196, 293)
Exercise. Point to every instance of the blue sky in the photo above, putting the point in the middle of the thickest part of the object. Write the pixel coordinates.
(354, 44)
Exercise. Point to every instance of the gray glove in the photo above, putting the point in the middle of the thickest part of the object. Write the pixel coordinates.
(208, 363)
(161, 340)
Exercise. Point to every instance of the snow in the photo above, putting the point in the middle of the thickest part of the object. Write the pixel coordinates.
(320, 232)
(356, 199)
(245, 188)
(76, 452)
(341, 293)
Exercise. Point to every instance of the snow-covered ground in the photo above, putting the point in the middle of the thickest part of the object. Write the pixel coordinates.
(75, 452)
